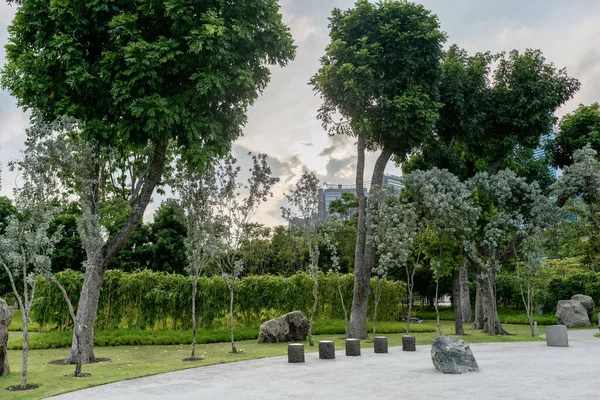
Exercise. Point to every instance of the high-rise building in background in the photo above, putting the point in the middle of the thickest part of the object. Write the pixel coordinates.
(540, 152)
(329, 193)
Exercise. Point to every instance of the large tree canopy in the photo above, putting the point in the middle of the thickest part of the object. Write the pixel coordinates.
(380, 73)
(135, 71)
(491, 116)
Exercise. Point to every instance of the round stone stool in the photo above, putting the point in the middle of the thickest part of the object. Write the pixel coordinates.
(295, 353)
(353, 347)
(409, 343)
(380, 344)
(326, 350)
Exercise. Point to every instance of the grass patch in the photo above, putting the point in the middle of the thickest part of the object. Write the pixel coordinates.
(138, 337)
(128, 362)
(506, 316)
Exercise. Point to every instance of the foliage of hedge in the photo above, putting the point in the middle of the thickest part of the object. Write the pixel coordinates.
(558, 279)
(157, 300)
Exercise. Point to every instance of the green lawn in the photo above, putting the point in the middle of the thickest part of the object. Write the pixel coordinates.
(129, 362)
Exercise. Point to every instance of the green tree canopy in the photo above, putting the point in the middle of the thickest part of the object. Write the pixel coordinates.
(492, 116)
(575, 131)
(139, 71)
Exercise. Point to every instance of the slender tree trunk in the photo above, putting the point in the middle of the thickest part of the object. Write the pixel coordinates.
(377, 298)
(410, 278)
(194, 321)
(479, 322)
(83, 344)
(76, 328)
(87, 308)
(231, 292)
(458, 320)
(365, 253)
(314, 309)
(527, 302)
(25, 321)
(339, 286)
(465, 296)
(437, 311)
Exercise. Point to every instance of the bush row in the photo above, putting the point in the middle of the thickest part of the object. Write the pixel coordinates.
(158, 300)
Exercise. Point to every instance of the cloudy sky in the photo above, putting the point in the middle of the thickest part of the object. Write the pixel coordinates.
(283, 122)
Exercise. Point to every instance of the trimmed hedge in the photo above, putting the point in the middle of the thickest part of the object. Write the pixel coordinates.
(157, 300)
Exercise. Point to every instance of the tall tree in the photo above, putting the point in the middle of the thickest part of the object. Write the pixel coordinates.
(446, 216)
(495, 109)
(380, 75)
(169, 232)
(141, 75)
(512, 210)
(575, 131)
(580, 183)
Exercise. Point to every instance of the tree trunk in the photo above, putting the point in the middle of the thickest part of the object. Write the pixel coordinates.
(465, 295)
(87, 308)
(194, 321)
(25, 321)
(231, 293)
(377, 298)
(339, 286)
(437, 311)
(314, 309)
(479, 315)
(365, 253)
(492, 323)
(458, 319)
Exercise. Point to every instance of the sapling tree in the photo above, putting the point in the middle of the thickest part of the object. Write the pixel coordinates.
(304, 201)
(527, 268)
(331, 227)
(235, 203)
(446, 215)
(394, 225)
(25, 249)
(197, 192)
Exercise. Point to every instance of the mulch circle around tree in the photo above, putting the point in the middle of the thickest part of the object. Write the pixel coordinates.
(64, 362)
(193, 359)
(18, 388)
(79, 376)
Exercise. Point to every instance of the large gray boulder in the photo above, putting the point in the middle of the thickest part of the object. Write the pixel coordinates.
(291, 327)
(587, 302)
(572, 314)
(452, 356)
(6, 315)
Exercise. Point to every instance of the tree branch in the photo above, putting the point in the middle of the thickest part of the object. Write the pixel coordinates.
(156, 165)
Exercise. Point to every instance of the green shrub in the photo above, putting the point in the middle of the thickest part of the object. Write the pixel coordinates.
(157, 300)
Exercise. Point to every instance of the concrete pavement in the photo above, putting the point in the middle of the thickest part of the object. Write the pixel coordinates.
(507, 371)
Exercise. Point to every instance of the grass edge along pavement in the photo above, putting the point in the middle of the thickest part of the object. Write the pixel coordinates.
(129, 362)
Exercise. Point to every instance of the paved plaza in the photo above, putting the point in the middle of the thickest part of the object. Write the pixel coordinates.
(507, 371)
